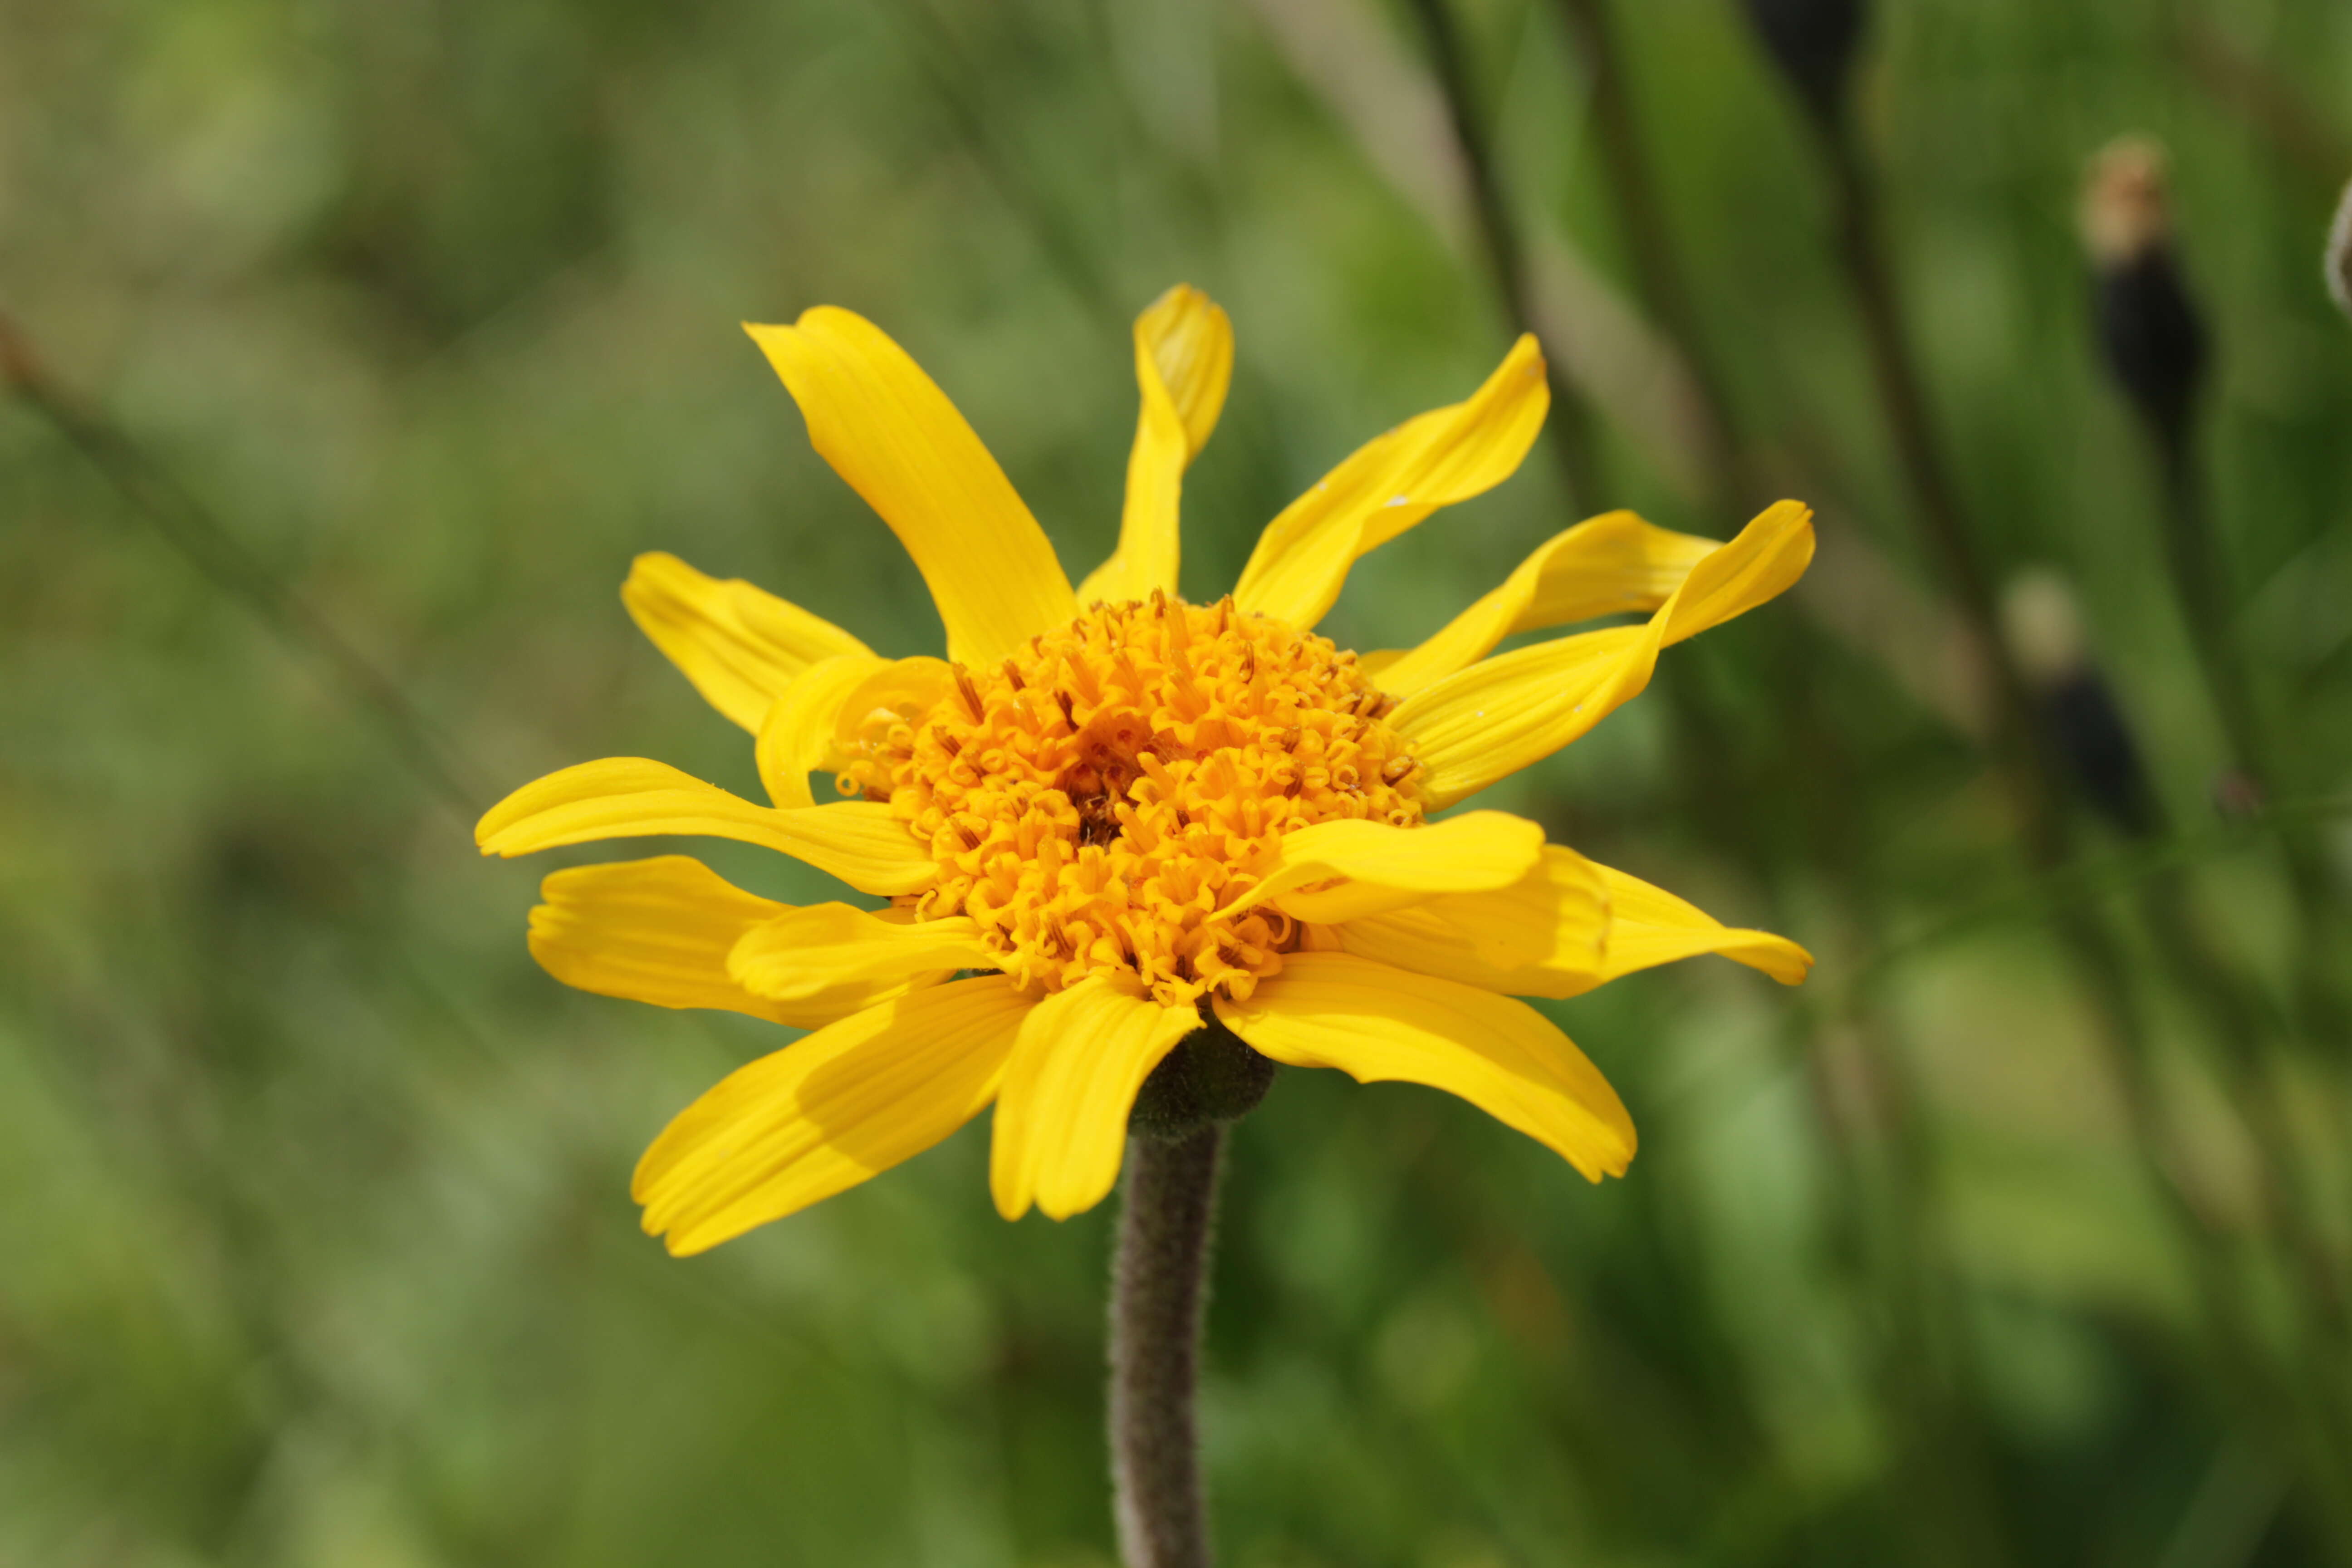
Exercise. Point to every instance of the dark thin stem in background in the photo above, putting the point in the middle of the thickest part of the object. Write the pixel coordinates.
(2257, 1065)
(940, 55)
(206, 543)
(1158, 1292)
(1574, 442)
(1903, 1246)
(2201, 584)
(2038, 799)
(1658, 273)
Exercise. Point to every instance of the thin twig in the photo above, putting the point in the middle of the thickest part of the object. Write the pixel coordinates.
(1944, 1467)
(200, 537)
(2038, 799)
(1660, 277)
(2199, 583)
(1572, 426)
(938, 55)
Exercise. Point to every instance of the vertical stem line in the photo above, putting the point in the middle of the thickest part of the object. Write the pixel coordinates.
(2038, 798)
(1902, 1246)
(1158, 1292)
(1659, 275)
(1575, 443)
(207, 544)
(2201, 584)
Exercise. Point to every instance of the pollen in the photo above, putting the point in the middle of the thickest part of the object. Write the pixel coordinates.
(1103, 800)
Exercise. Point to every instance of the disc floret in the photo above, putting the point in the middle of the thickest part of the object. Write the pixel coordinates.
(1104, 799)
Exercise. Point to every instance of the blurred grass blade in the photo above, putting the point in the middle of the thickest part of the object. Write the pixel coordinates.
(189, 527)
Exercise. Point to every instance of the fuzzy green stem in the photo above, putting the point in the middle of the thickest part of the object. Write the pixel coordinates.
(1159, 1290)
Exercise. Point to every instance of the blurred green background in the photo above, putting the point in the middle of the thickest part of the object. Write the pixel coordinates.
(316, 1245)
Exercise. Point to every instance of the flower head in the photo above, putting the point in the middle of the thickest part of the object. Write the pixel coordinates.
(1116, 812)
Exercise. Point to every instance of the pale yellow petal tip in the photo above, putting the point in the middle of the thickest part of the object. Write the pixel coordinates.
(1056, 1211)
(656, 574)
(1611, 1151)
(646, 564)
(1794, 515)
(1783, 960)
(680, 1236)
(1015, 1193)
(496, 821)
(1012, 1202)
(687, 1243)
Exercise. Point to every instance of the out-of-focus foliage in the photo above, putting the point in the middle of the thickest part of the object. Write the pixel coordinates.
(315, 1245)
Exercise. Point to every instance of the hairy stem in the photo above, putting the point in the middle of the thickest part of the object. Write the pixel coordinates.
(1159, 1288)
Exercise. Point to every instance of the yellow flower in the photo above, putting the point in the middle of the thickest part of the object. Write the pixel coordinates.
(1124, 809)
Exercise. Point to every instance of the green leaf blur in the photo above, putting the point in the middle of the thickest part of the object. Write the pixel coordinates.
(315, 1240)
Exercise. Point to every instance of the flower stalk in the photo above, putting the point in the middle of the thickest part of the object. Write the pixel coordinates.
(2038, 798)
(2338, 258)
(1158, 1292)
(1160, 1289)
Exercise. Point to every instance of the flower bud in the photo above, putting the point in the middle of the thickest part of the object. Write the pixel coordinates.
(19, 371)
(2147, 326)
(2339, 255)
(1812, 42)
(2087, 727)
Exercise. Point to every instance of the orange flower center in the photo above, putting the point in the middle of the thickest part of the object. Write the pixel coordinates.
(1101, 801)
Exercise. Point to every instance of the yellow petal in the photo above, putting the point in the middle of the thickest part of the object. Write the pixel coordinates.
(1546, 934)
(1061, 1118)
(893, 435)
(797, 953)
(624, 797)
(1613, 563)
(653, 931)
(1499, 715)
(824, 1113)
(902, 689)
(799, 732)
(1649, 926)
(1445, 456)
(1184, 363)
(660, 930)
(1387, 867)
(1381, 1025)
(740, 647)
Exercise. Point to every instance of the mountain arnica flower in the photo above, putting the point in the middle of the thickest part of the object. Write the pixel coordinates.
(1109, 812)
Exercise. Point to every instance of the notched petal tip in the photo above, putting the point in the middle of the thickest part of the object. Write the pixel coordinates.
(891, 433)
(1791, 963)
(851, 1100)
(1514, 709)
(1378, 1024)
(1391, 484)
(1062, 1109)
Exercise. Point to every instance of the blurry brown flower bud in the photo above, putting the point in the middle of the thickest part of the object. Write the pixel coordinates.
(18, 369)
(2339, 255)
(2147, 326)
(1812, 42)
(2087, 727)
(2237, 797)
(2043, 627)
(2126, 201)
